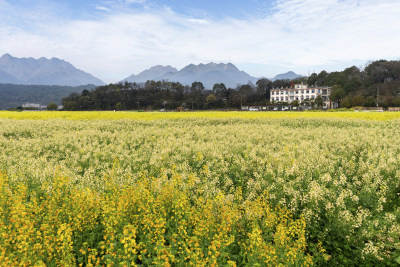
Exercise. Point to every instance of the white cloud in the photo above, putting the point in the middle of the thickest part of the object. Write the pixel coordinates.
(103, 8)
(300, 35)
(135, 1)
(197, 21)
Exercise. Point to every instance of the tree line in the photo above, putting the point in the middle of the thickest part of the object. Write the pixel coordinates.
(170, 95)
(378, 82)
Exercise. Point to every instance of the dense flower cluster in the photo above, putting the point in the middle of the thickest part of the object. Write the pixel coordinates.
(155, 222)
(207, 188)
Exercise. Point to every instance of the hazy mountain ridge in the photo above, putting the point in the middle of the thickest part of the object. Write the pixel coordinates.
(154, 73)
(290, 75)
(208, 74)
(43, 71)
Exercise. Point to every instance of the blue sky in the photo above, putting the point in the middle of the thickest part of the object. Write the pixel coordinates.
(113, 39)
(196, 8)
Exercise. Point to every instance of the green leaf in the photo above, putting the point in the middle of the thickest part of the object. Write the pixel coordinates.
(398, 259)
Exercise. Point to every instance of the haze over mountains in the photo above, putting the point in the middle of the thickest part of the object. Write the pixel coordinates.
(43, 71)
(209, 74)
(290, 75)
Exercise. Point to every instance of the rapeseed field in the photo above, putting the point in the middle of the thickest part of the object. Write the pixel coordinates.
(199, 188)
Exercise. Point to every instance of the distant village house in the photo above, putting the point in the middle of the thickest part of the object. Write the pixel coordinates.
(302, 93)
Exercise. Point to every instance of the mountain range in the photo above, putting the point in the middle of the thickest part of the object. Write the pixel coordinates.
(43, 71)
(209, 74)
(54, 71)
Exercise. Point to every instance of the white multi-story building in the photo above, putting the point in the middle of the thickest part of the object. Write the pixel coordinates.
(301, 92)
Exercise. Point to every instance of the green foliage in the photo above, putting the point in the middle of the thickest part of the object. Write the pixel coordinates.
(361, 86)
(358, 100)
(396, 101)
(337, 93)
(52, 106)
(319, 102)
(346, 102)
(119, 106)
(263, 87)
(295, 103)
(211, 98)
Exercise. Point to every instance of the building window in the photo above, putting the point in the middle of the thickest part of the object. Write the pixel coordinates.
(297, 91)
(312, 97)
(312, 91)
(308, 91)
(287, 92)
(324, 91)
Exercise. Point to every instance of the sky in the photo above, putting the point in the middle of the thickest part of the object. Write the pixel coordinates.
(113, 39)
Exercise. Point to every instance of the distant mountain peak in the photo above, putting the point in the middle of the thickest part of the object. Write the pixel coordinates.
(43, 71)
(162, 68)
(6, 55)
(290, 75)
(154, 73)
(208, 74)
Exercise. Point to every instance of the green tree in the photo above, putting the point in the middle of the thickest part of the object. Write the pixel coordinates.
(70, 105)
(358, 101)
(119, 106)
(337, 94)
(346, 102)
(319, 102)
(52, 106)
(396, 101)
(197, 87)
(295, 103)
(306, 103)
(312, 79)
(370, 101)
(352, 85)
(336, 78)
(262, 88)
(211, 99)
(321, 78)
(219, 89)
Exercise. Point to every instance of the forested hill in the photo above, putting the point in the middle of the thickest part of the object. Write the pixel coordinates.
(13, 95)
(378, 82)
